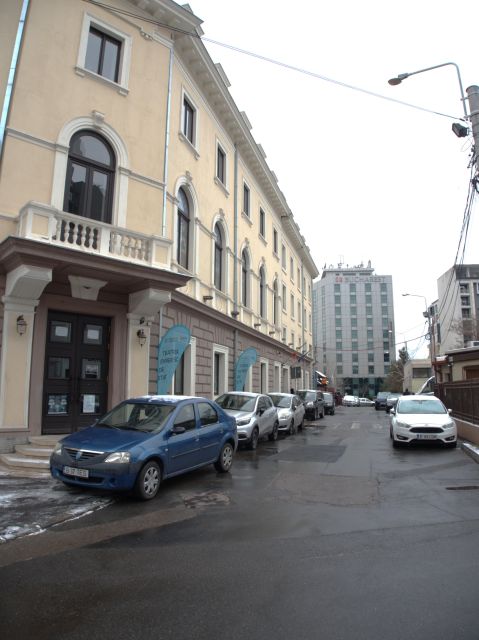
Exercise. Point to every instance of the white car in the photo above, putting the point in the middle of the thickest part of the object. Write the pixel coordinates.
(290, 411)
(350, 401)
(421, 418)
(366, 402)
(255, 414)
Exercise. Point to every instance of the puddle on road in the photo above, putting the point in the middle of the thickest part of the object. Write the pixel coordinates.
(204, 499)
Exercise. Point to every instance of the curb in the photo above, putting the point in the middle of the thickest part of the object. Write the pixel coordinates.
(471, 450)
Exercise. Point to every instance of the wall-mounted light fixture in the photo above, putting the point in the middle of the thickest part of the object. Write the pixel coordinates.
(257, 324)
(235, 313)
(291, 344)
(21, 325)
(271, 333)
(141, 336)
(206, 298)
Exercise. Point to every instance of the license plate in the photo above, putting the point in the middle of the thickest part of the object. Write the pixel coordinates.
(426, 436)
(79, 473)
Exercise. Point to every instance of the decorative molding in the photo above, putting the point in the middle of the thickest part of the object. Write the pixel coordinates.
(98, 118)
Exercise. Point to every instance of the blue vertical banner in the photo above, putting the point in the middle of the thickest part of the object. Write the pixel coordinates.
(243, 364)
(170, 350)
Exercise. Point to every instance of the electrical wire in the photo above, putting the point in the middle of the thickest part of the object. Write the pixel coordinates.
(278, 63)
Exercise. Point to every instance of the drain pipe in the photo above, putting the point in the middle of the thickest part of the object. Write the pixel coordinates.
(11, 75)
(167, 142)
(235, 262)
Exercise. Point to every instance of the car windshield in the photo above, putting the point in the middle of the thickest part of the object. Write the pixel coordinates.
(421, 406)
(283, 402)
(236, 402)
(327, 396)
(138, 416)
(307, 395)
(382, 394)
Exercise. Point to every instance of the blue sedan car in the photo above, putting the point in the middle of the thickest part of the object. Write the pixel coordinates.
(145, 440)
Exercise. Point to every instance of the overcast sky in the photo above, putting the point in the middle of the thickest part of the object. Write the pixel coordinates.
(366, 178)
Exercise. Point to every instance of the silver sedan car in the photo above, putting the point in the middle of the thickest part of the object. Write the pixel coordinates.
(290, 411)
(255, 415)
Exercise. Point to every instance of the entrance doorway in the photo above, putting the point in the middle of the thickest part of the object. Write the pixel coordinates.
(75, 386)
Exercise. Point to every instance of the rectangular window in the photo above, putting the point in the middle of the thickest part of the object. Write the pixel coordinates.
(355, 369)
(370, 344)
(339, 334)
(246, 199)
(354, 344)
(284, 298)
(355, 357)
(352, 288)
(367, 288)
(103, 54)
(292, 306)
(354, 322)
(284, 334)
(337, 288)
(354, 334)
(262, 223)
(299, 312)
(275, 241)
(220, 164)
(371, 368)
(338, 322)
(339, 357)
(370, 357)
(339, 345)
(189, 120)
(339, 370)
(283, 257)
(220, 369)
(291, 269)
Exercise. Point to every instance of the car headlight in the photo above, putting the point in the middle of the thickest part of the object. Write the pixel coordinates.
(283, 414)
(243, 422)
(448, 425)
(310, 404)
(58, 449)
(119, 456)
(402, 425)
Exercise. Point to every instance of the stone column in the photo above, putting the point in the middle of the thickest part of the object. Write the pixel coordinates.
(24, 286)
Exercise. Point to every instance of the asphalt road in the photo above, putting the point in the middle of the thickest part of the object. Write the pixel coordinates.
(330, 534)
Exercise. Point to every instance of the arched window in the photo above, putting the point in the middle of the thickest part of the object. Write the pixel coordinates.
(262, 293)
(90, 177)
(275, 303)
(218, 258)
(244, 278)
(183, 233)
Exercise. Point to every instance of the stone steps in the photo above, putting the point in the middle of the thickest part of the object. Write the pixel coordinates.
(30, 459)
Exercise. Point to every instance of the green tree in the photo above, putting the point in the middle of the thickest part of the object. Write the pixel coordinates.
(395, 377)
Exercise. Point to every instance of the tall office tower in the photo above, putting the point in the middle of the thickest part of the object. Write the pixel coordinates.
(353, 328)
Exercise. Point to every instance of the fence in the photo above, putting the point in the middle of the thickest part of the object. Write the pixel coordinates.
(462, 397)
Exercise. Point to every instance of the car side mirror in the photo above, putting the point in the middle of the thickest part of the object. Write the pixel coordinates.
(177, 430)
(449, 411)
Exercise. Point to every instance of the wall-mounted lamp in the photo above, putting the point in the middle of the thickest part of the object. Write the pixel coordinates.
(206, 298)
(21, 325)
(257, 324)
(271, 333)
(235, 313)
(141, 336)
(291, 344)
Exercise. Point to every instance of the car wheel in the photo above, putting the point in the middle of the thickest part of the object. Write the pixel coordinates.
(273, 436)
(148, 481)
(292, 429)
(253, 443)
(225, 459)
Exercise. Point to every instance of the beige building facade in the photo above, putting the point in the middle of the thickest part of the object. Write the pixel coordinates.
(134, 199)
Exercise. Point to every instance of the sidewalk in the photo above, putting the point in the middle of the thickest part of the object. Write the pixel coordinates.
(31, 505)
(472, 450)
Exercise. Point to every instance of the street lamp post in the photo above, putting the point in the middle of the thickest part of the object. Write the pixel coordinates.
(427, 315)
(402, 76)
(472, 96)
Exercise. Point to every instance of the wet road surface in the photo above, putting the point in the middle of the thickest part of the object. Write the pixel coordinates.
(329, 534)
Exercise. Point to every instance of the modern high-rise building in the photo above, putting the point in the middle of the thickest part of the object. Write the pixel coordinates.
(353, 328)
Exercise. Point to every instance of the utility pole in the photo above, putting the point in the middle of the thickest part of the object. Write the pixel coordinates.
(473, 97)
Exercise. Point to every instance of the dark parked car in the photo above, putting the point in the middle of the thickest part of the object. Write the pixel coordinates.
(329, 403)
(380, 401)
(313, 403)
(391, 401)
(145, 440)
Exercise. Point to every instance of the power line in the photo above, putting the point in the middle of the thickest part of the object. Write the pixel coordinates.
(278, 63)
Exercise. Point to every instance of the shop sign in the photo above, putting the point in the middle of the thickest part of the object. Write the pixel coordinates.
(243, 364)
(170, 350)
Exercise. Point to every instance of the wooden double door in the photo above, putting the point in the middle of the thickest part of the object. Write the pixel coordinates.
(75, 387)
